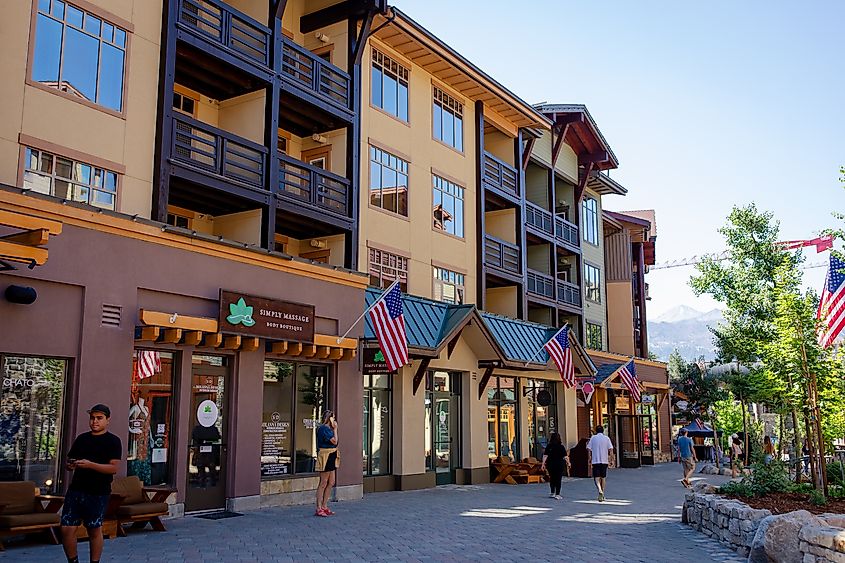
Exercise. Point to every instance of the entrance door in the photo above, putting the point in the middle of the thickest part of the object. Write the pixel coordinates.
(647, 438)
(628, 434)
(443, 415)
(206, 489)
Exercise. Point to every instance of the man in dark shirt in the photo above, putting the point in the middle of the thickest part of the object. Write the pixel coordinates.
(93, 458)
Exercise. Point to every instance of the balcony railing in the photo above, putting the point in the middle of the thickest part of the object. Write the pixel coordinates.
(314, 74)
(568, 292)
(218, 152)
(566, 232)
(502, 255)
(228, 28)
(539, 218)
(500, 175)
(541, 284)
(315, 186)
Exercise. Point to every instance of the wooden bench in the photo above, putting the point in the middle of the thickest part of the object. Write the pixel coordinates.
(137, 507)
(505, 471)
(22, 511)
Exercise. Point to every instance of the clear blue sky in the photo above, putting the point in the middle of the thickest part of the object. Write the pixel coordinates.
(706, 104)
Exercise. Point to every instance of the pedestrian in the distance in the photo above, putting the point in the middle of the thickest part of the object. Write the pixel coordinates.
(688, 458)
(93, 458)
(768, 450)
(601, 450)
(327, 462)
(736, 456)
(554, 460)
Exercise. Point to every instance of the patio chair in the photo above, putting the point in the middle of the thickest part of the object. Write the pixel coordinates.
(137, 507)
(22, 511)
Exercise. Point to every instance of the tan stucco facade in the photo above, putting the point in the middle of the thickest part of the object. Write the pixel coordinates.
(620, 318)
(593, 254)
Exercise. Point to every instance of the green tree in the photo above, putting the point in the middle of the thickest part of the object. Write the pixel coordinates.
(676, 365)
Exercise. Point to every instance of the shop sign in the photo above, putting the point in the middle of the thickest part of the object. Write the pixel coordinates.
(273, 319)
(374, 362)
(207, 412)
(647, 399)
(274, 437)
(622, 404)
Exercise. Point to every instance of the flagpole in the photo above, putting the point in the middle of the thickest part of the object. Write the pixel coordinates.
(540, 351)
(367, 310)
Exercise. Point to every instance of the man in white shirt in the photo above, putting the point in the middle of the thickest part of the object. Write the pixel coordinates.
(601, 452)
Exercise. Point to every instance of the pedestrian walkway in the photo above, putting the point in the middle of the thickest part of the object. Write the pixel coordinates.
(639, 521)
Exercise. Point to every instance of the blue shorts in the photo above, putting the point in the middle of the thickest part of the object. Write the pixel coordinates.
(83, 508)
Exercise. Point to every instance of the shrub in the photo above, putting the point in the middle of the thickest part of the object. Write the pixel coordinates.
(836, 491)
(737, 488)
(802, 488)
(817, 498)
(769, 478)
(834, 474)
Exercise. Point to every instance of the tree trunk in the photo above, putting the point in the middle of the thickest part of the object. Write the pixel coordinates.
(811, 452)
(796, 441)
(817, 414)
(745, 451)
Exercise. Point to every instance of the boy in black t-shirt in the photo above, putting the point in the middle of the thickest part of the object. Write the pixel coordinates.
(93, 458)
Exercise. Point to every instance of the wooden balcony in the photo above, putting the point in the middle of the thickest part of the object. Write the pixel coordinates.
(314, 187)
(315, 79)
(502, 255)
(215, 157)
(539, 219)
(567, 233)
(569, 293)
(500, 176)
(540, 284)
(235, 35)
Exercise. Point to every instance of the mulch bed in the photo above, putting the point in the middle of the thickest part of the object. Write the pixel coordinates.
(781, 503)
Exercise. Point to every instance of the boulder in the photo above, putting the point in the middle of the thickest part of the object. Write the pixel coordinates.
(777, 538)
(836, 520)
(705, 488)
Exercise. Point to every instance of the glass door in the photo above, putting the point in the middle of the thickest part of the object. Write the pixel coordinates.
(206, 488)
(628, 433)
(442, 425)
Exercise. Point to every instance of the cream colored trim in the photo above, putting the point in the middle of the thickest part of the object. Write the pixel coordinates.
(445, 176)
(620, 357)
(385, 248)
(73, 154)
(387, 148)
(445, 266)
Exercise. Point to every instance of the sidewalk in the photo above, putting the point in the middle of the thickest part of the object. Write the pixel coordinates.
(639, 521)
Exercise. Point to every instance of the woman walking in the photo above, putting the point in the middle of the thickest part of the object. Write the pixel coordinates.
(768, 450)
(327, 462)
(736, 456)
(554, 458)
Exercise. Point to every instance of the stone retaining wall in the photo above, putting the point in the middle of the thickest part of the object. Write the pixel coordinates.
(796, 537)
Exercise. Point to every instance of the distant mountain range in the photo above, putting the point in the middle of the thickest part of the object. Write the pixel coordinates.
(683, 328)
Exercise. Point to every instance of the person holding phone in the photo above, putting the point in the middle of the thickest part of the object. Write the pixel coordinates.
(93, 458)
(327, 462)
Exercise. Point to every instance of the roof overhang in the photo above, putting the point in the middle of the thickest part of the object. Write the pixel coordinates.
(502, 108)
(605, 185)
(26, 241)
(582, 133)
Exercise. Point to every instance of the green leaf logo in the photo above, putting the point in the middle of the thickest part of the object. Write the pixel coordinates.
(207, 408)
(240, 313)
(379, 357)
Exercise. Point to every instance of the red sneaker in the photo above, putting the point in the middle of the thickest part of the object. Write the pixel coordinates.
(321, 512)
(328, 512)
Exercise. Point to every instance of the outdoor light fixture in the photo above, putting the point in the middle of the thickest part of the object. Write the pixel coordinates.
(20, 294)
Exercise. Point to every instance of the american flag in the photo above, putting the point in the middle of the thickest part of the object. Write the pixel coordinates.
(560, 351)
(832, 304)
(389, 325)
(147, 363)
(628, 373)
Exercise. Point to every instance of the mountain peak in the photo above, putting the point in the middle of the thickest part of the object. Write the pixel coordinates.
(678, 313)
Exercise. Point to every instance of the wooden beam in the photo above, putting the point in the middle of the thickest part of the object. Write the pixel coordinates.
(28, 222)
(280, 8)
(149, 333)
(250, 344)
(348, 355)
(482, 385)
(294, 348)
(172, 335)
(452, 343)
(559, 143)
(418, 377)
(175, 320)
(336, 353)
(361, 40)
(280, 348)
(309, 350)
(231, 342)
(526, 153)
(582, 183)
(35, 237)
(212, 340)
(327, 340)
(191, 338)
(330, 15)
(323, 352)
(22, 253)
(499, 122)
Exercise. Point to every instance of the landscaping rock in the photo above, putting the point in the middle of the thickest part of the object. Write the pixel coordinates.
(777, 539)
(705, 488)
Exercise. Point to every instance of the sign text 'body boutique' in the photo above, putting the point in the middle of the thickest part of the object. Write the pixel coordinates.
(249, 315)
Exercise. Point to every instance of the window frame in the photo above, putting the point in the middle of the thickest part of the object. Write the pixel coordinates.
(447, 103)
(591, 220)
(400, 69)
(592, 294)
(407, 173)
(458, 189)
(105, 17)
(375, 251)
(590, 341)
(497, 404)
(329, 382)
(76, 158)
(460, 288)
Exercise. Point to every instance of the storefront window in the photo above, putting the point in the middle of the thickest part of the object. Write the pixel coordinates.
(542, 421)
(442, 421)
(649, 425)
(295, 396)
(376, 429)
(31, 410)
(150, 417)
(502, 418)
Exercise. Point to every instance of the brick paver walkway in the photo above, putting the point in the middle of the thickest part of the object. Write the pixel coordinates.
(640, 521)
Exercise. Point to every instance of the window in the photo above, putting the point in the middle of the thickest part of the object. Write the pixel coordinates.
(592, 281)
(78, 53)
(502, 418)
(31, 419)
(448, 286)
(150, 417)
(385, 268)
(376, 435)
(389, 86)
(442, 421)
(448, 206)
(388, 182)
(542, 420)
(595, 341)
(591, 220)
(184, 104)
(448, 119)
(295, 396)
(65, 178)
